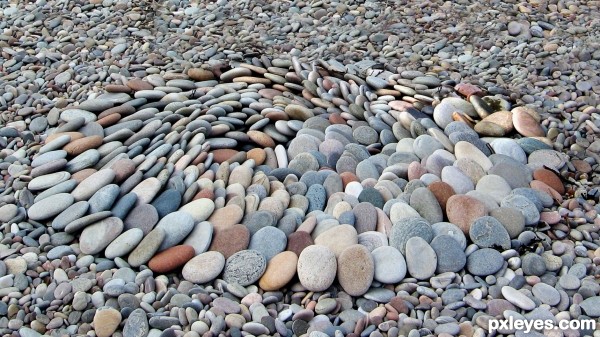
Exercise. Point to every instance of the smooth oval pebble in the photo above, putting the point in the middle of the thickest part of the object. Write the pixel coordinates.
(317, 267)
(49, 207)
(204, 267)
(280, 271)
(245, 267)
(355, 270)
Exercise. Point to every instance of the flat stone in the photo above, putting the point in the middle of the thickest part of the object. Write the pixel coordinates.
(92, 184)
(421, 259)
(171, 258)
(204, 268)
(488, 232)
(144, 251)
(143, 217)
(177, 226)
(269, 241)
(245, 267)
(407, 228)
(524, 205)
(518, 298)
(98, 236)
(200, 237)
(450, 256)
(50, 207)
(124, 243)
(390, 266)
(230, 240)
(484, 262)
(355, 270)
(317, 267)
(280, 271)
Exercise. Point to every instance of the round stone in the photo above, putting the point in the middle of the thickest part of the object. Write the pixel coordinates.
(317, 267)
(98, 236)
(488, 232)
(355, 270)
(177, 226)
(450, 256)
(407, 228)
(245, 267)
(390, 266)
(106, 321)
(524, 205)
(421, 259)
(463, 210)
(484, 262)
(269, 241)
(204, 268)
(280, 271)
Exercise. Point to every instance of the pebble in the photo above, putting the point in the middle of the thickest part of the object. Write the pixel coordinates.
(317, 267)
(484, 262)
(390, 265)
(355, 270)
(204, 267)
(421, 259)
(245, 267)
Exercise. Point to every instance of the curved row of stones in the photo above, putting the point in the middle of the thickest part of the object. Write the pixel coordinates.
(275, 171)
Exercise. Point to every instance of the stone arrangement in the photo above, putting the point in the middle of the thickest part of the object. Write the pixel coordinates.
(253, 195)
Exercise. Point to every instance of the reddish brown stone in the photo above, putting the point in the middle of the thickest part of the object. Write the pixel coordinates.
(109, 120)
(123, 110)
(261, 138)
(336, 118)
(81, 175)
(526, 122)
(258, 155)
(442, 192)
(137, 85)
(222, 155)
(463, 210)
(77, 147)
(230, 240)
(399, 304)
(468, 89)
(416, 170)
(543, 187)
(171, 258)
(549, 178)
(348, 177)
(582, 166)
(117, 88)
(205, 193)
(297, 241)
(123, 169)
(200, 75)
(269, 93)
(497, 307)
(73, 135)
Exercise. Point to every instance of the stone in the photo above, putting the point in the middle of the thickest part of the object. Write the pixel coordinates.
(407, 228)
(106, 321)
(512, 220)
(226, 216)
(497, 124)
(200, 209)
(546, 293)
(171, 259)
(299, 240)
(143, 217)
(463, 210)
(136, 324)
(591, 306)
(200, 237)
(442, 192)
(488, 232)
(244, 267)
(450, 256)
(421, 259)
(269, 241)
(442, 114)
(96, 237)
(450, 229)
(146, 249)
(549, 178)
(524, 205)
(338, 238)
(355, 270)
(484, 262)
(124, 243)
(204, 268)
(280, 271)
(525, 123)
(167, 202)
(92, 184)
(50, 207)
(177, 226)
(8, 212)
(533, 264)
(459, 181)
(230, 240)
(390, 266)
(317, 267)
(425, 202)
(518, 298)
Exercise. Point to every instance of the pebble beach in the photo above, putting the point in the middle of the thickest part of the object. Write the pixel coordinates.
(298, 168)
